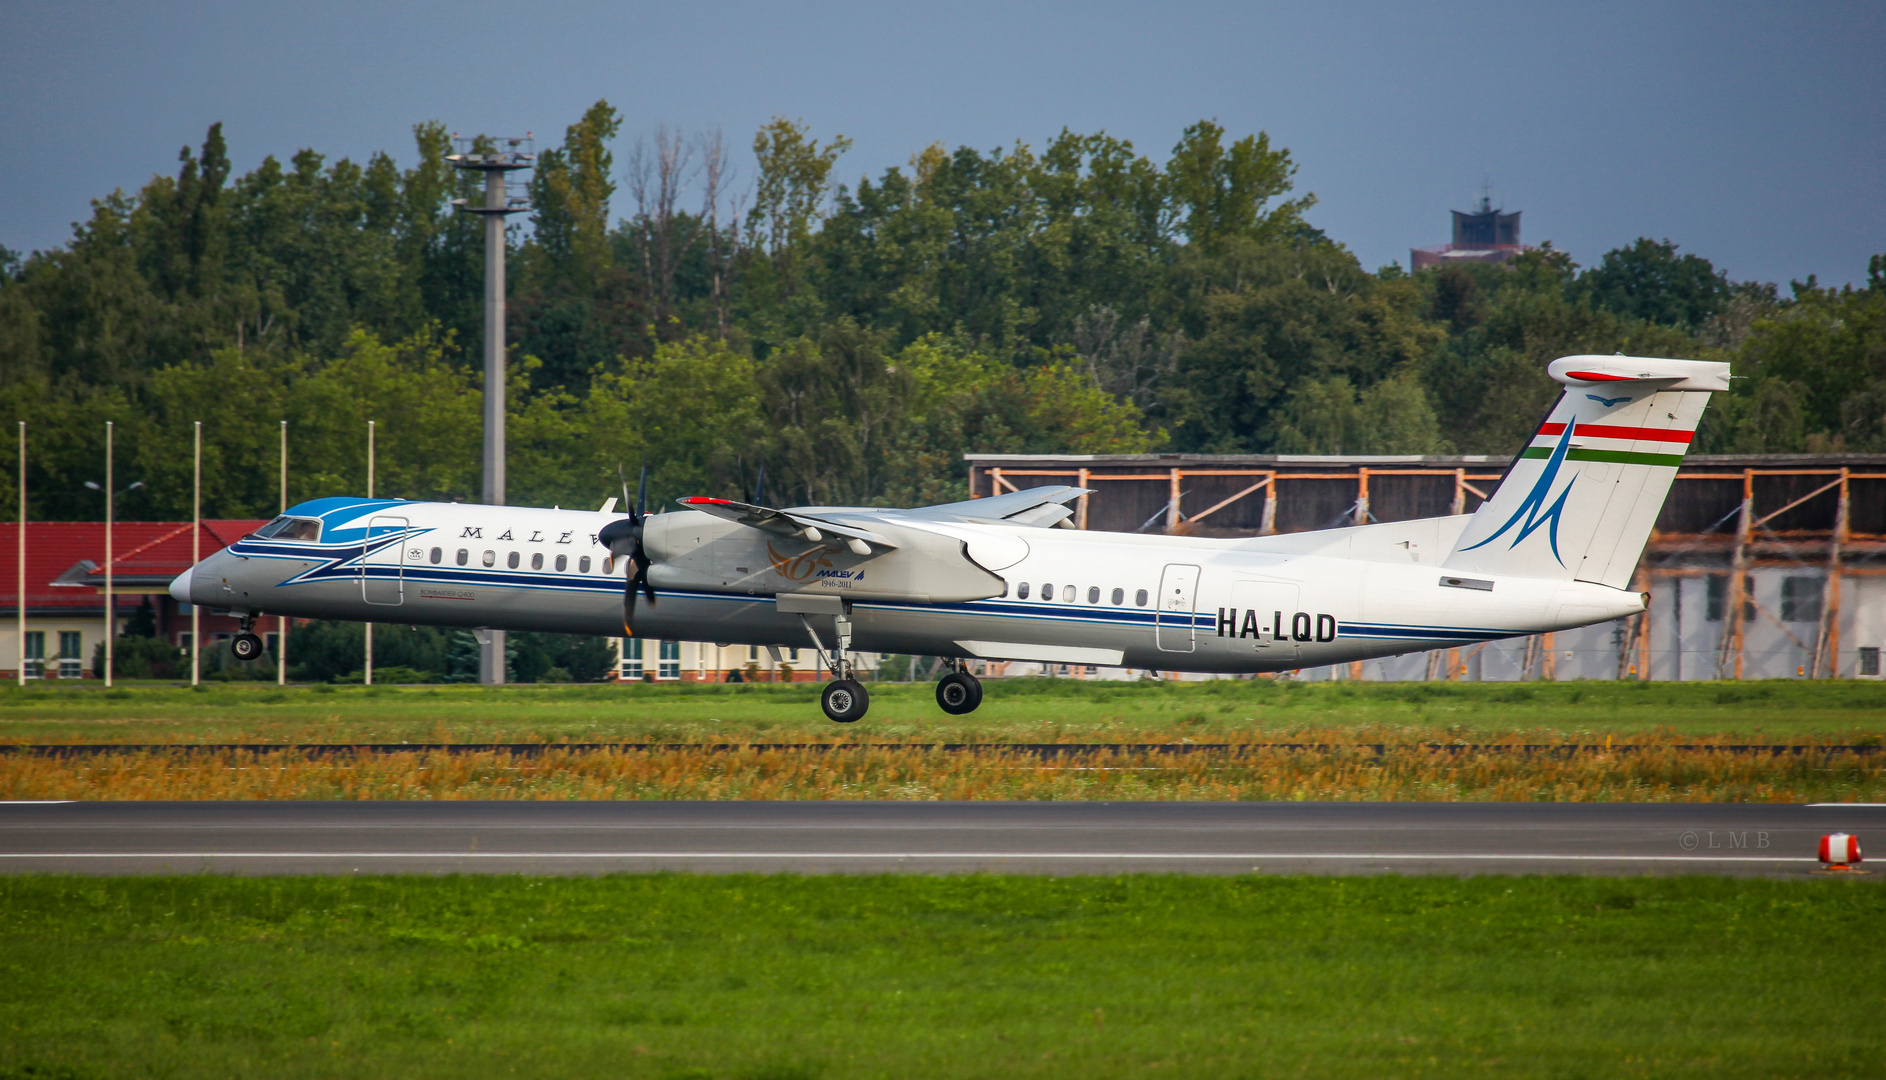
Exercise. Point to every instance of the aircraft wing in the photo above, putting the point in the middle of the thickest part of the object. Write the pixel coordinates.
(788, 523)
(1042, 507)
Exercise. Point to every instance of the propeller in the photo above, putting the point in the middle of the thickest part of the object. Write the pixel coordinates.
(623, 538)
(759, 486)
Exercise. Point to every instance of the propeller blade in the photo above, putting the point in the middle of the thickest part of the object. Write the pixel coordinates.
(759, 486)
(641, 494)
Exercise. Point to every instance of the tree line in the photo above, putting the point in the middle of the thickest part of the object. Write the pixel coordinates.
(675, 304)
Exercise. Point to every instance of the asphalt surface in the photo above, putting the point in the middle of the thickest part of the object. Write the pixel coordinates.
(875, 837)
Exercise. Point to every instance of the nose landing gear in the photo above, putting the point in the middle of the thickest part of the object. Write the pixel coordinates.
(959, 692)
(246, 646)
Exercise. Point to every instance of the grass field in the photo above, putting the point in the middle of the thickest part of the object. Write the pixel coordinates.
(1023, 710)
(774, 978)
(1649, 724)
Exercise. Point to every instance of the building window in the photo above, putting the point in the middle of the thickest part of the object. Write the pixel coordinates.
(632, 658)
(271, 640)
(753, 654)
(1869, 660)
(670, 667)
(1800, 599)
(1119, 597)
(35, 654)
(185, 641)
(1716, 597)
(71, 654)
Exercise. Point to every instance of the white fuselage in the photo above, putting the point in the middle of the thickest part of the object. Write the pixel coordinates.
(1171, 603)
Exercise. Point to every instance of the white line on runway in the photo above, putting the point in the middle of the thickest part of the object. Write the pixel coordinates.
(1271, 856)
(1846, 804)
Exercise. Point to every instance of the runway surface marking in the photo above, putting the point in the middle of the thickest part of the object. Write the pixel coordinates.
(1258, 856)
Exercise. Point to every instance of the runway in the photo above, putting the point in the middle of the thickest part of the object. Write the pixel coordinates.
(878, 837)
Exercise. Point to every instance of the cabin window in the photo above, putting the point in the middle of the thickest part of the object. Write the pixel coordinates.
(491, 557)
(582, 565)
(1067, 593)
(463, 556)
(1140, 598)
(1047, 591)
(563, 563)
(1119, 597)
(608, 564)
(511, 560)
(1021, 591)
(437, 556)
(1093, 594)
(1004, 586)
(536, 560)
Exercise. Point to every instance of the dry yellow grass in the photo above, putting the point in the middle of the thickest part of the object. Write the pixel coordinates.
(1648, 771)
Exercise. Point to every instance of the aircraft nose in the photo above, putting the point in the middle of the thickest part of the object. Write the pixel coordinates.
(180, 586)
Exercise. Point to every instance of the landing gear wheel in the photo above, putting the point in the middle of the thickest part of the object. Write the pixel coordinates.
(844, 701)
(246, 647)
(959, 692)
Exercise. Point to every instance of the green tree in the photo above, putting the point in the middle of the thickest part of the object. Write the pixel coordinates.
(1650, 281)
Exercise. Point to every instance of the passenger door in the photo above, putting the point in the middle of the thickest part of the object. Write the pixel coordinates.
(383, 569)
(1178, 594)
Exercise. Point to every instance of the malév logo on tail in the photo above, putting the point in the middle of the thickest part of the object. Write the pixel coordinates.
(1529, 510)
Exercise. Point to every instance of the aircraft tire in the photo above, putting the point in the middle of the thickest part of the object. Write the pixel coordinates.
(958, 693)
(246, 647)
(844, 701)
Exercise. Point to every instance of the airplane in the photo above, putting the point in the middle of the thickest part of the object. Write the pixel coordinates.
(1006, 577)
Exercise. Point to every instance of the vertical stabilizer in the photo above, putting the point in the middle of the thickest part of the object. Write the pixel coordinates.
(1582, 498)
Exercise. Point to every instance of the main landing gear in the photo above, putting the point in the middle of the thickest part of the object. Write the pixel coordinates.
(246, 646)
(844, 699)
(959, 692)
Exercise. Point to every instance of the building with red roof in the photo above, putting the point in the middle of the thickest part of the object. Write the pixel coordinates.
(65, 586)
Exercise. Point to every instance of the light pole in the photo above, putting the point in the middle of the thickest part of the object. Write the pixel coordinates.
(478, 155)
(20, 596)
(111, 605)
(367, 671)
(281, 621)
(196, 556)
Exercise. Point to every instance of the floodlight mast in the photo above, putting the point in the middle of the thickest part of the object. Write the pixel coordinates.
(480, 155)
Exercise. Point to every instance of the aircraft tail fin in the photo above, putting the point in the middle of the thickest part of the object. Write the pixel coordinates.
(1581, 499)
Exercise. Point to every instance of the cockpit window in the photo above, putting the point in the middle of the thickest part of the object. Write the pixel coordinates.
(290, 528)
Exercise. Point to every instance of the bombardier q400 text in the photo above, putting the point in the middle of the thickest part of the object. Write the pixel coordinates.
(1553, 548)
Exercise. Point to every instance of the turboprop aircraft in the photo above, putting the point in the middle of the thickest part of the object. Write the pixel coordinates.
(1003, 578)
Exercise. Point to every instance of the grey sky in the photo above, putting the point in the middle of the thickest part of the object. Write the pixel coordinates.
(1752, 134)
